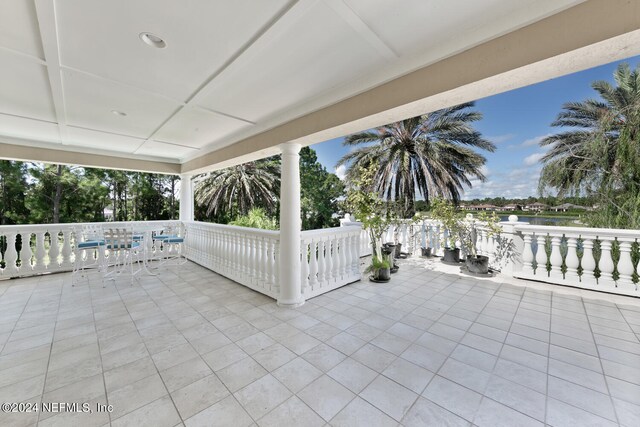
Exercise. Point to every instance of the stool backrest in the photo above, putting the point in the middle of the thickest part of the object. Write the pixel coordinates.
(118, 238)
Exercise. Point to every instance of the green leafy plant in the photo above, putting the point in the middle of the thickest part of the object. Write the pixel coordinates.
(463, 228)
(256, 218)
(367, 206)
(377, 264)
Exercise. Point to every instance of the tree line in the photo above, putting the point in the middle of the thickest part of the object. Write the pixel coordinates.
(37, 193)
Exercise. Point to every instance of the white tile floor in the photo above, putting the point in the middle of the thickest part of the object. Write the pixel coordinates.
(428, 348)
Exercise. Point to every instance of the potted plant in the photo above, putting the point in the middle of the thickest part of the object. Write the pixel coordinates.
(464, 230)
(445, 212)
(373, 213)
(380, 270)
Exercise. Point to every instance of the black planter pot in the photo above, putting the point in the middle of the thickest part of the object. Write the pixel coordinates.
(478, 264)
(381, 275)
(388, 253)
(451, 255)
(426, 252)
(393, 248)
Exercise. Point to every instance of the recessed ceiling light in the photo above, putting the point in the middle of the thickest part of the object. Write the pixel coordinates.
(118, 113)
(153, 40)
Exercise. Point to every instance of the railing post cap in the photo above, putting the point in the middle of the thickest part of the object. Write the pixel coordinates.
(513, 218)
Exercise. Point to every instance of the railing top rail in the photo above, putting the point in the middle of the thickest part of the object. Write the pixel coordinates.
(236, 228)
(72, 225)
(578, 232)
(351, 228)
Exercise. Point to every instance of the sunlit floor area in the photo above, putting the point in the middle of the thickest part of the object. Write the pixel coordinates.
(189, 347)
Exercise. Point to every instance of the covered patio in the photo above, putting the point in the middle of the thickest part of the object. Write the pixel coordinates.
(258, 327)
(430, 348)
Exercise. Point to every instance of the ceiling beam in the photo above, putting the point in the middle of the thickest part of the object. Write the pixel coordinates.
(45, 10)
(14, 150)
(589, 34)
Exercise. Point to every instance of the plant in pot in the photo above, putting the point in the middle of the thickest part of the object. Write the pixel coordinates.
(464, 230)
(445, 212)
(380, 270)
(372, 212)
(477, 264)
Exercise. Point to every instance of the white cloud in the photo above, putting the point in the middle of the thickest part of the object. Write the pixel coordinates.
(484, 169)
(532, 159)
(534, 141)
(498, 139)
(515, 183)
(341, 172)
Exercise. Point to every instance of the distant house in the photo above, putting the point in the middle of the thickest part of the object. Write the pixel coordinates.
(567, 207)
(536, 207)
(482, 207)
(511, 208)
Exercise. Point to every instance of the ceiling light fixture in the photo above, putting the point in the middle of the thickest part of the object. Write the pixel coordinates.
(153, 40)
(118, 113)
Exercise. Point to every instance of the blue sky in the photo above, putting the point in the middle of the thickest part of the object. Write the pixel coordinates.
(515, 121)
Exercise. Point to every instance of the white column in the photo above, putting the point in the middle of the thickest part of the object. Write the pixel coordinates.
(186, 198)
(290, 225)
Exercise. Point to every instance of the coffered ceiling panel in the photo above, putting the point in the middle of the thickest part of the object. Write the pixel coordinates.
(90, 103)
(432, 25)
(102, 37)
(101, 140)
(19, 27)
(21, 127)
(301, 57)
(195, 127)
(162, 149)
(24, 88)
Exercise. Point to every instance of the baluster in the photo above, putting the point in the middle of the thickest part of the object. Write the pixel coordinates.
(606, 264)
(258, 261)
(276, 266)
(527, 255)
(41, 252)
(541, 256)
(588, 263)
(11, 255)
(313, 261)
(321, 261)
(356, 255)
(66, 249)
(405, 241)
(329, 260)
(25, 253)
(269, 264)
(481, 244)
(625, 267)
(348, 257)
(253, 260)
(572, 261)
(54, 250)
(556, 258)
(342, 256)
(304, 266)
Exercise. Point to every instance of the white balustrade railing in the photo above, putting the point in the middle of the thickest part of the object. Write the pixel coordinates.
(591, 258)
(249, 256)
(30, 249)
(330, 259)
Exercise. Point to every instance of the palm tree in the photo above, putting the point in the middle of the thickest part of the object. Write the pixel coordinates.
(237, 189)
(599, 154)
(431, 155)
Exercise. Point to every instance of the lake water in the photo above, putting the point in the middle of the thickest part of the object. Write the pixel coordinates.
(535, 220)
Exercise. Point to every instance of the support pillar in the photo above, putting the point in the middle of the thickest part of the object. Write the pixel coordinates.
(186, 198)
(290, 227)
